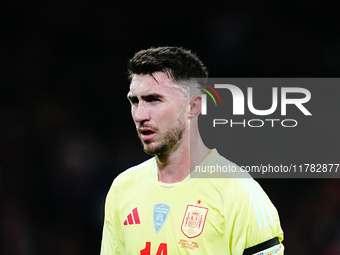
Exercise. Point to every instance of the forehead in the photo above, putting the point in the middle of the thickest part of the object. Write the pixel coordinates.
(158, 82)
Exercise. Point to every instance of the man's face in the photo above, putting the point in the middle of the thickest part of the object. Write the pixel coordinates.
(159, 110)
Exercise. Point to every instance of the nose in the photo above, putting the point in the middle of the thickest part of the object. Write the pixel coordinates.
(140, 112)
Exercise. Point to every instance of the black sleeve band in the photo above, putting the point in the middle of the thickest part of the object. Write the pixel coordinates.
(261, 246)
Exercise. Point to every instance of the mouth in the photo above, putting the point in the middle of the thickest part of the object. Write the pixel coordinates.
(146, 134)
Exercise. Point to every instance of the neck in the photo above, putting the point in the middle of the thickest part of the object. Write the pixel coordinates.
(176, 165)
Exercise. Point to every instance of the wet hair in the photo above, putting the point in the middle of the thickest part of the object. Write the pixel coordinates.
(181, 65)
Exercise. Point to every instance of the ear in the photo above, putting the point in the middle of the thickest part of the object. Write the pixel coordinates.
(195, 106)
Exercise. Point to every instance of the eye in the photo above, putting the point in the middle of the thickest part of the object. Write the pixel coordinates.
(150, 100)
(133, 100)
(154, 98)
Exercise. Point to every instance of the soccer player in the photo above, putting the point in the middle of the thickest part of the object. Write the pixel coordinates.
(157, 207)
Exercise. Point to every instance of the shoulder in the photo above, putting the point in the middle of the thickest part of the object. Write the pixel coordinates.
(235, 185)
(133, 174)
(122, 185)
(255, 212)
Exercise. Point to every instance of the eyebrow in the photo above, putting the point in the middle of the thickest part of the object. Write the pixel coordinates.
(147, 97)
(151, 96)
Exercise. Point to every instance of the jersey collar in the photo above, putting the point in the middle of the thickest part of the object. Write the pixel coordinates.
(154, 175)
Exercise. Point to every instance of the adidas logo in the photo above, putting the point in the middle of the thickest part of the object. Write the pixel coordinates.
(132, 218)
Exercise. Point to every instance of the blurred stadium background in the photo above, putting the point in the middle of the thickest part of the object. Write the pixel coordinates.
(65, 125)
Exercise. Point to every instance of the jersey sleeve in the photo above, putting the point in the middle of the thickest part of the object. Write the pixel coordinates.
(255, 219)
(112, 241)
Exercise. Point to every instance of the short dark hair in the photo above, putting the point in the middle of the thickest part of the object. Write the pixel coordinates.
(180, 63)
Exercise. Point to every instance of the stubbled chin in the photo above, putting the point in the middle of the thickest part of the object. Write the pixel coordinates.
(151, 147)
(149, 150)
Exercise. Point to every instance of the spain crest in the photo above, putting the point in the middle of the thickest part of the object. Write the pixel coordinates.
(194, 220)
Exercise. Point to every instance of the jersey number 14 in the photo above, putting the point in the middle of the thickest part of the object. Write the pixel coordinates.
(162, 249)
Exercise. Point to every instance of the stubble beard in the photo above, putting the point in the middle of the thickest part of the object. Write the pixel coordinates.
(169, 142)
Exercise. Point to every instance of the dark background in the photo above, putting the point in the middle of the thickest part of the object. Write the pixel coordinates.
(65, 125)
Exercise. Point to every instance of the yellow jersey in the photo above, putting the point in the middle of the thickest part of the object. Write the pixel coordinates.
(217, 216)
